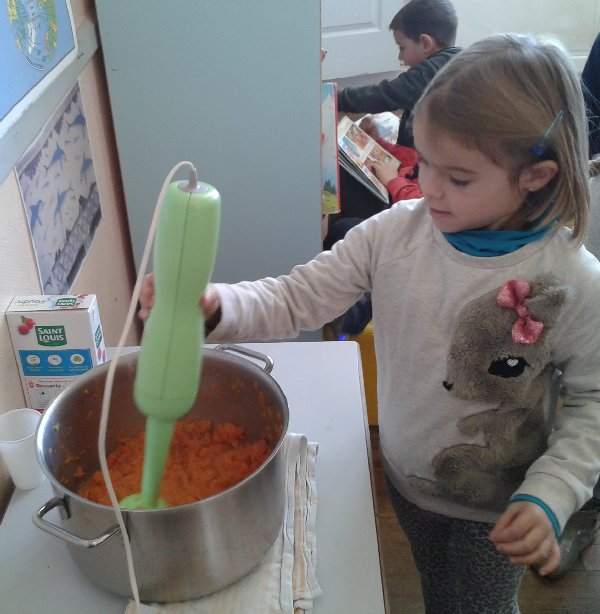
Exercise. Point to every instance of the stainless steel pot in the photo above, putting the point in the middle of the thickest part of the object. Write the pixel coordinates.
(183, 552)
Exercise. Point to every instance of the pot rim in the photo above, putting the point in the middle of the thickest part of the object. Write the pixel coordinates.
(129, 357)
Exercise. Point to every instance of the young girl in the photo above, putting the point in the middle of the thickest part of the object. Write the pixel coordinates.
(484, 302)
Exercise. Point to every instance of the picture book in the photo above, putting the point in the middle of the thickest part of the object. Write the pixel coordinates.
(330, 194)
(357, 150)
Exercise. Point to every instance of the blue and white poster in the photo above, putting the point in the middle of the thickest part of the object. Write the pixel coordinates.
(37, 40)
(58, 186)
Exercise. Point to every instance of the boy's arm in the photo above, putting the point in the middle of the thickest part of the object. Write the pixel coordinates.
(399, 93)
(389, 95)
(401, 188)
(396, 179)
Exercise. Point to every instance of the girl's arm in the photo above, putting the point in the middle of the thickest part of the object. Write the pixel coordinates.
(561, 480)
(276, 308)
(306, 299)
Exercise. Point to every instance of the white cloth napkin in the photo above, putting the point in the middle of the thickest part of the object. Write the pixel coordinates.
(285, 581)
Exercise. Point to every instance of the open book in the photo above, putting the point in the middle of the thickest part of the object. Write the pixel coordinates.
(357, 149)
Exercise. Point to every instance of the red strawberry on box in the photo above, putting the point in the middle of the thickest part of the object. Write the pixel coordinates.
(26, 325)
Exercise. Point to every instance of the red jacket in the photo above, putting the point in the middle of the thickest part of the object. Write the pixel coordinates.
(401, 188)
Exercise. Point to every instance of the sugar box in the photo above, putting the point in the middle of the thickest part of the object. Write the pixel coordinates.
(55, 339)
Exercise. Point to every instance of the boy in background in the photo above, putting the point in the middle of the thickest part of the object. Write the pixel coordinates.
(425, 32)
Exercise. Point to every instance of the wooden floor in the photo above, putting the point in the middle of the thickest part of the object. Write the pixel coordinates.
(576, 593)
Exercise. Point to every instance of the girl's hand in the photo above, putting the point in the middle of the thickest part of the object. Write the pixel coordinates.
(212, 308)
(524, 533)
(209, 302)
(384, 171)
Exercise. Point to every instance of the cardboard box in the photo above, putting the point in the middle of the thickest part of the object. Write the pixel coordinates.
(56, 339)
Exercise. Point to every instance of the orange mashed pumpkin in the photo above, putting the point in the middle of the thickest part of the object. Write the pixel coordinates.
(203, 461)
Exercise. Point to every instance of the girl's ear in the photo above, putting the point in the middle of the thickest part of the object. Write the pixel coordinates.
(537, 175)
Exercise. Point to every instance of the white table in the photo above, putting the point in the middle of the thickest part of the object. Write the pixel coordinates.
(323, 384)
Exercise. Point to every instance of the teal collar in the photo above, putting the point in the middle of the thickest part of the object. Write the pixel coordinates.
(487, 243)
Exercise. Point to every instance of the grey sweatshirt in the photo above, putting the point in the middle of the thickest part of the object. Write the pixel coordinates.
(422, 289)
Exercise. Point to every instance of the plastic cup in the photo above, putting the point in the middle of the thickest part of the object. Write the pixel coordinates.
(17, 447)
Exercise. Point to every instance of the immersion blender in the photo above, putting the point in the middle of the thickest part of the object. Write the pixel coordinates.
(170, 358)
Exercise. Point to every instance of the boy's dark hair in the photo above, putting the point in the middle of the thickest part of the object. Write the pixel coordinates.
(436, 18)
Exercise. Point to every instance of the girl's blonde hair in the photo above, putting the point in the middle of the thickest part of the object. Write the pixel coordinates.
(501, 95)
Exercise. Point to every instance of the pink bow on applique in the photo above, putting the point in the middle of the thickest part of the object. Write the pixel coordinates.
(512, 295)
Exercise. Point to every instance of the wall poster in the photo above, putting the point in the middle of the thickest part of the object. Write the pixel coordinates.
(37, 41)
(58, 186)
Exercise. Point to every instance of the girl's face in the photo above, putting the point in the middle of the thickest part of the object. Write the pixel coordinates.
(463, 188)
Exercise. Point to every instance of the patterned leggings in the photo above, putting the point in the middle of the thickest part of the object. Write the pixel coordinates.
(461, 570)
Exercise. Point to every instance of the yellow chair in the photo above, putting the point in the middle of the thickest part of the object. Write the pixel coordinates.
(369, 366)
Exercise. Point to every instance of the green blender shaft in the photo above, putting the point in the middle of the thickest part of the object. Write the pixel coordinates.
(170, 358)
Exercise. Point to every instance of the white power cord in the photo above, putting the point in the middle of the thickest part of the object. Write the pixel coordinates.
(108, 386)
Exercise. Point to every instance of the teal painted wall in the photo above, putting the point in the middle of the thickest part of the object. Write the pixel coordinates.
(234, 87)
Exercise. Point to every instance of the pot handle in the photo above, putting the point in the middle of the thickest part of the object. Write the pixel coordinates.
(41, 523)
(230, 347)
